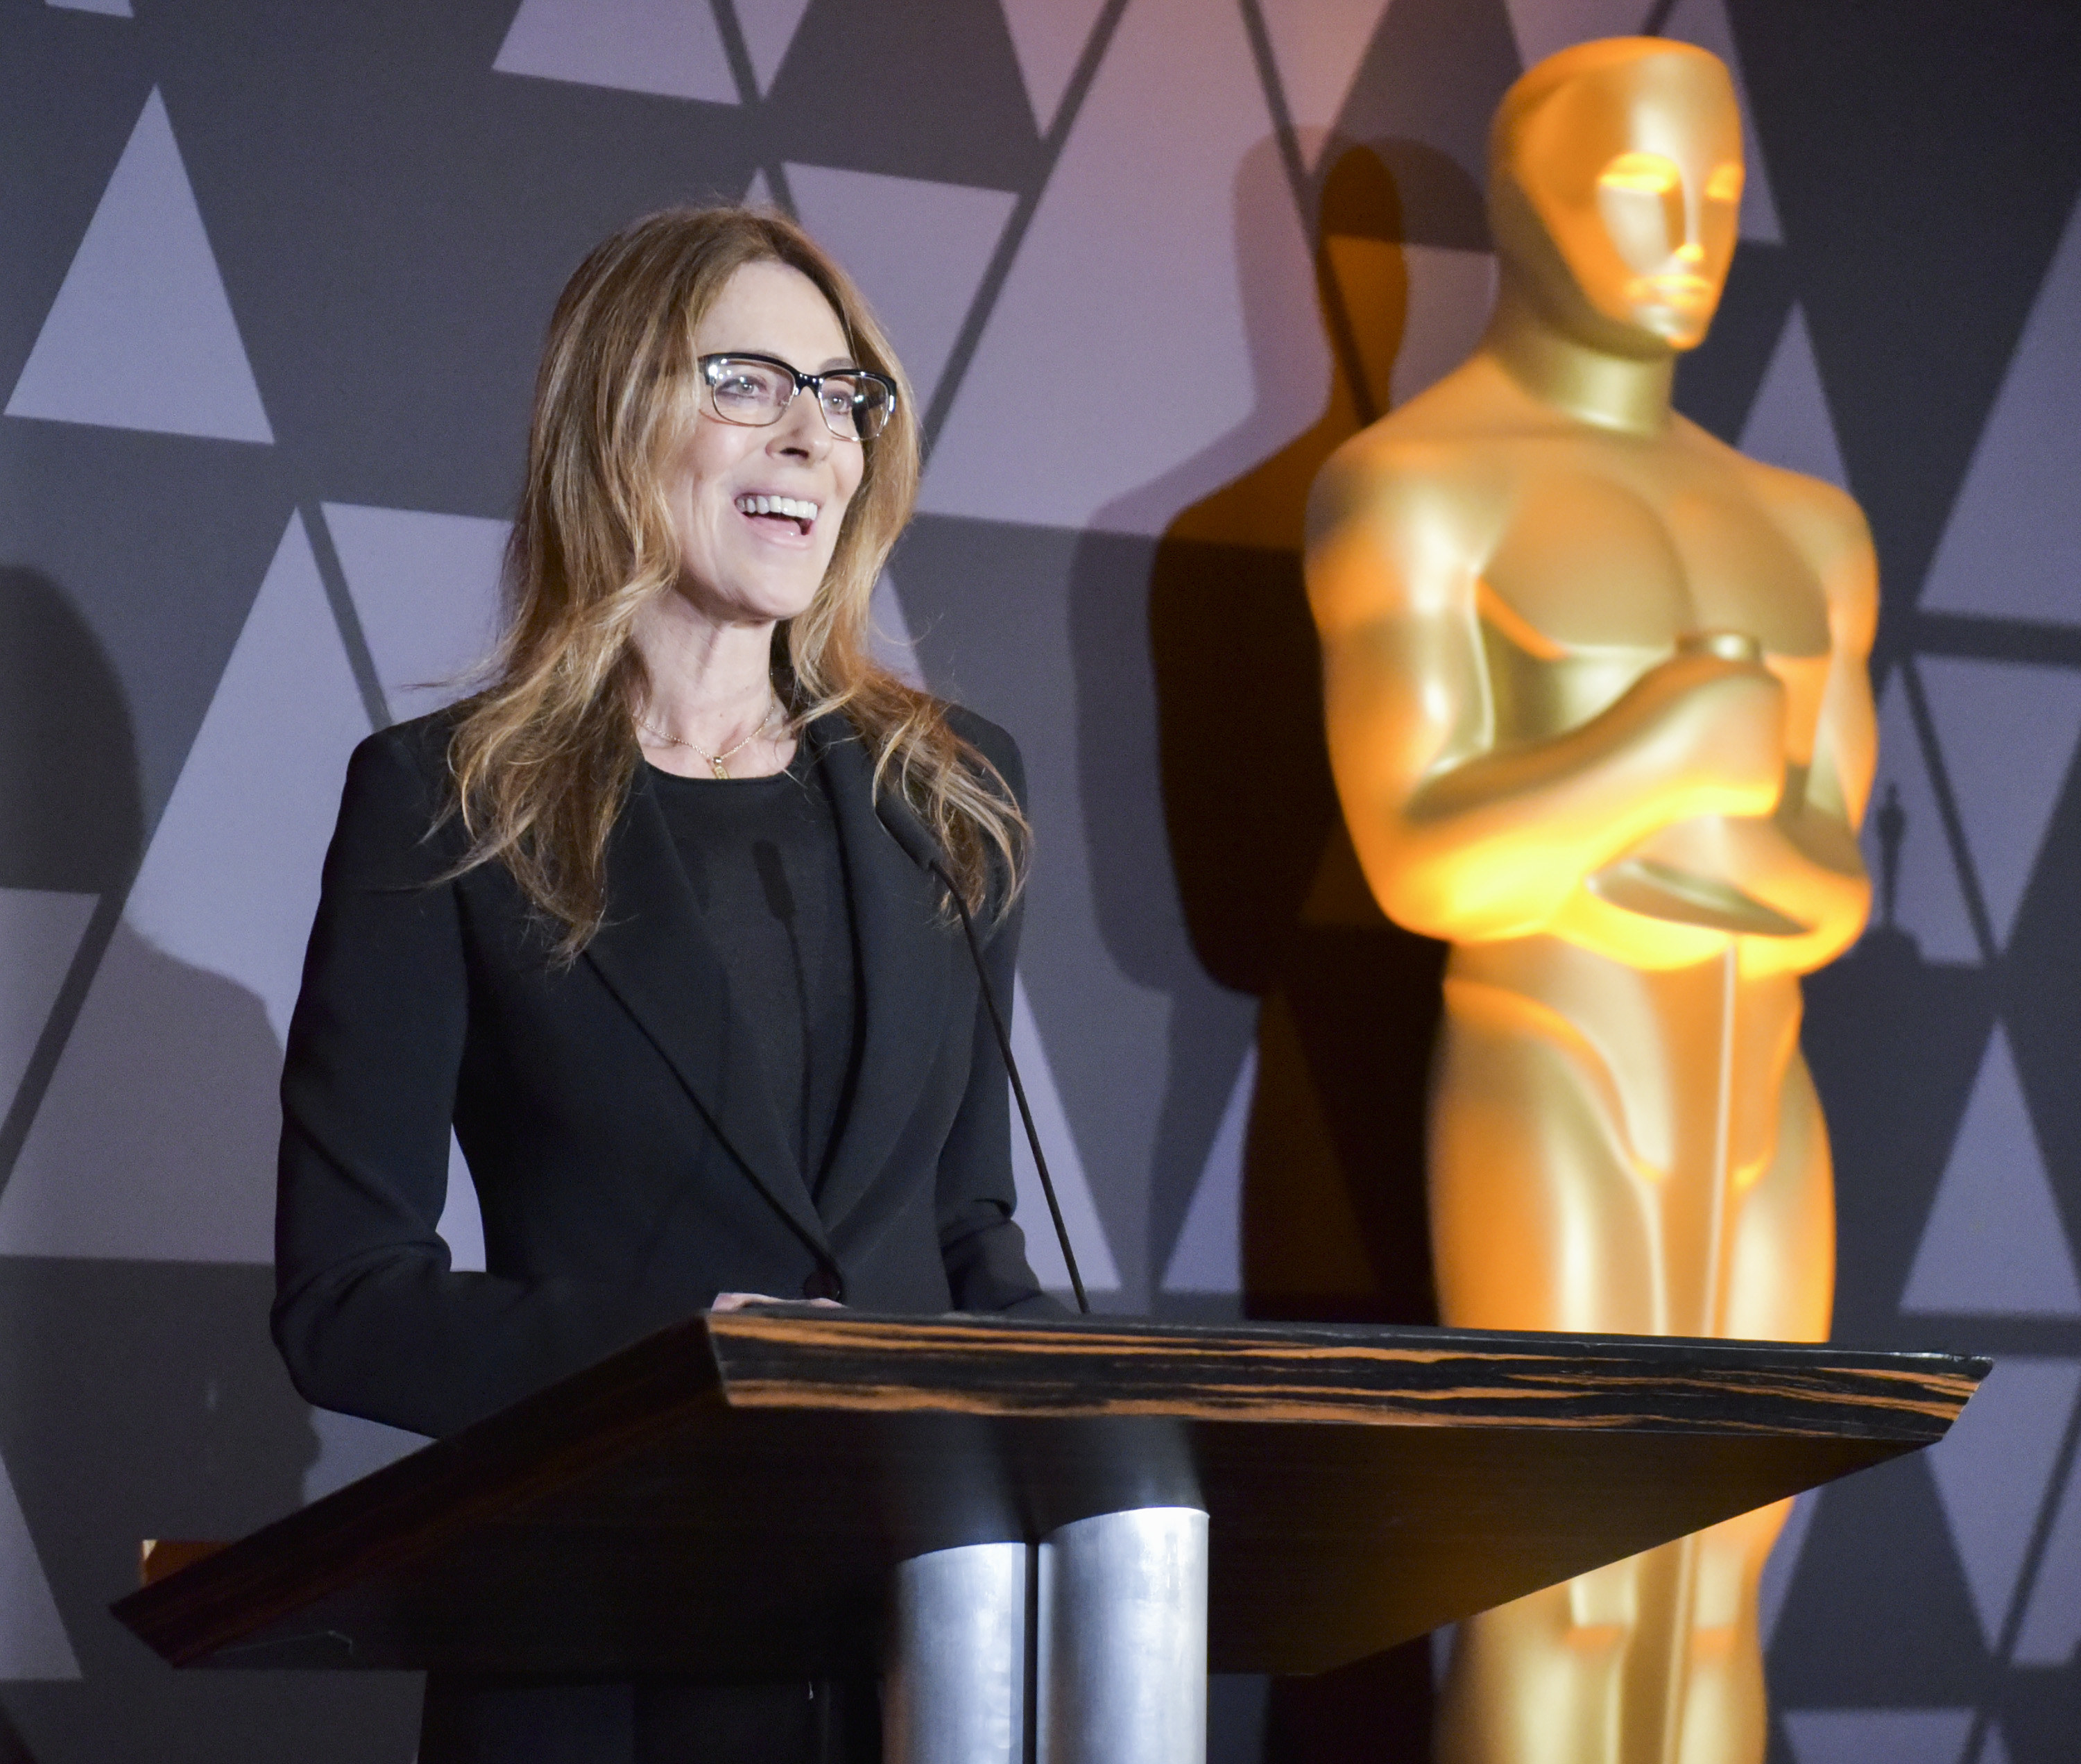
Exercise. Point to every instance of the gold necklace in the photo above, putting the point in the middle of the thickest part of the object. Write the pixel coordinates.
(719, 763)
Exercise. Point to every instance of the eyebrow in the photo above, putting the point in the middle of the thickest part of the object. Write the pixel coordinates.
(832, 364)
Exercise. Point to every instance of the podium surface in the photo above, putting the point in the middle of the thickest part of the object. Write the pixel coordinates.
(729, 1498)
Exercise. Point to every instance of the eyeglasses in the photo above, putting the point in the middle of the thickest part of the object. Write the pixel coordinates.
(756, 390)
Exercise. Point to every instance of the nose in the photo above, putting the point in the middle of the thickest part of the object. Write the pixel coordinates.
(802, 429)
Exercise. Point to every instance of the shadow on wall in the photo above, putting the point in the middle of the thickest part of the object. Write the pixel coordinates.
(141, 1397)
(70, 817)
(1334, 1220)
(144, 1399)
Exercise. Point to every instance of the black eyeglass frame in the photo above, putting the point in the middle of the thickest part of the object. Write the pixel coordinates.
(814, 382)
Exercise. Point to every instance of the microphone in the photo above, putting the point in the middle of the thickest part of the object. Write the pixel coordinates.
(918, 846)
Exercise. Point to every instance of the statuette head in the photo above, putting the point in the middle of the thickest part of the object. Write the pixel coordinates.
(1615, 190)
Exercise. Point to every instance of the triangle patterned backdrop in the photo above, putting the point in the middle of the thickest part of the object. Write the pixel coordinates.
(277, 279)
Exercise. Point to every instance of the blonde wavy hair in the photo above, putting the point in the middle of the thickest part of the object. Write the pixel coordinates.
(542, 759)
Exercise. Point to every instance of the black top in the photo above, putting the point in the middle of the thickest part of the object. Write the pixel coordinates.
(630, 1157)
(761, 857)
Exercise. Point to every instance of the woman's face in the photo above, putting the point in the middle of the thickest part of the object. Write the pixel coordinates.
(737, 566)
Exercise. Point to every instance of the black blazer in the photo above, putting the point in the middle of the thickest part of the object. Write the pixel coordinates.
(629, 1158)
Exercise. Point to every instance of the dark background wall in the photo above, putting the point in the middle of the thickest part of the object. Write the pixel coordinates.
(275, 277)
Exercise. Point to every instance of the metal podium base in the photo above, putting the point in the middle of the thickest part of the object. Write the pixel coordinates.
(1115, 1633)
(955, 1691)
(1122, 1676)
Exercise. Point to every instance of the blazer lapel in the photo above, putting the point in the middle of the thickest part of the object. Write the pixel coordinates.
(904, 952)
(657, 959)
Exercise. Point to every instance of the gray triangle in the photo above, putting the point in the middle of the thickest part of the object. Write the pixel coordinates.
(2051, 1633)
(39, 934)
(1207, 1256)
(1318, 50)
(1990, 1472)
(461, 1224)
(186, 1016)
(1789, 424)
(140, 335)
(1878, 1736)
(1450, 294)
(2010, 548)
(33, 1642)
(1048, 37)
(1903, 826)
(2008, 731)
(1210, 293)
(350, 1448)
(1996, 1750)
(758, 193)
(1783, 1568)
(668, 48)
(425, 588)
(916, 249)
(113, 9)
(231, 880)
(889, 634)
(1994, 1245)
(1704, 23)
(1544, 27)
(1065, 1165)
(769, 28)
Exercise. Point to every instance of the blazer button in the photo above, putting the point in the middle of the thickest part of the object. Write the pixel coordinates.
(823, 1285)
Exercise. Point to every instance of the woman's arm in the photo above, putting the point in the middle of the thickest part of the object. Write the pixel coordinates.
(368, 1314)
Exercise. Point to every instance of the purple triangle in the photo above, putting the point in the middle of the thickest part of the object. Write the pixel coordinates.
(2008, 732)
(1994, 1245)
(1878, 1736)
(2052, 1623)
(2015, 531)
(1990, 1472)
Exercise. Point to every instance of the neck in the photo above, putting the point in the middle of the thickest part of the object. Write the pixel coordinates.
(709, 683)
(1595, 385)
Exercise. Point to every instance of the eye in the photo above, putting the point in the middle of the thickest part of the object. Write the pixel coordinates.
(1724, 185)
(1647, 174)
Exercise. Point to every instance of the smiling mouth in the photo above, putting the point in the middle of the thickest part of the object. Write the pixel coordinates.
(788, 512)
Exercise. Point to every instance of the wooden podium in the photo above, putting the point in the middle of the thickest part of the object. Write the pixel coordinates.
(732, 1497)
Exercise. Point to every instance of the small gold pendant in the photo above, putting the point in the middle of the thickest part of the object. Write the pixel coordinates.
(721, 770)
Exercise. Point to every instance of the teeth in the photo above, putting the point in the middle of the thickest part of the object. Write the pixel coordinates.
(792, 507)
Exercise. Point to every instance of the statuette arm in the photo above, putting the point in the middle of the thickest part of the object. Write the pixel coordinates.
(1802, 861)
(1465, 837)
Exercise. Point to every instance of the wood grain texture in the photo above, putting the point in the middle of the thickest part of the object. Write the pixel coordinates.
(988, 1366)
(727, 1497)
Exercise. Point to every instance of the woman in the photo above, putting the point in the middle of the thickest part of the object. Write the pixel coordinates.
(640, 920)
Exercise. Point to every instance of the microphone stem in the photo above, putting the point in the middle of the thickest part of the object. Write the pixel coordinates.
(1018, 1090)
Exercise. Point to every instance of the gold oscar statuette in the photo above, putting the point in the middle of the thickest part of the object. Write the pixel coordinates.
(1599, 718)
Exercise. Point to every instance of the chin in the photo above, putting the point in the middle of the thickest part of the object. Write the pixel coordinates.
(779, 608)
(1679, 327)
(772, 589)
(749, 598)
